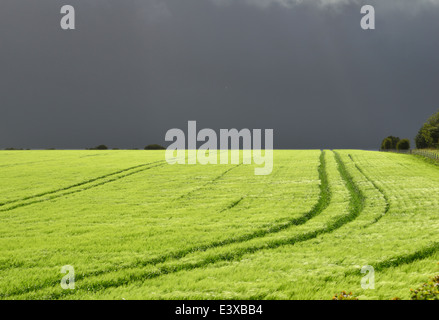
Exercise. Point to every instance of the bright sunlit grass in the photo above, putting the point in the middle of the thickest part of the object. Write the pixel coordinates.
(133, 226)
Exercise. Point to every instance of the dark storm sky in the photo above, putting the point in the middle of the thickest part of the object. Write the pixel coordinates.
(135, 68)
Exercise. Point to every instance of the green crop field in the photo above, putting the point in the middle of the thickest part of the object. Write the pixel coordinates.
(134, 227)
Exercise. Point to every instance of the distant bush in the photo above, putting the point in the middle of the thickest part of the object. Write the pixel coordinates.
(389, 143)
(154, 147)
(394, 140)
(386, 144)
(344, 296)
(428, 291)
(99, 147)
(403, 144)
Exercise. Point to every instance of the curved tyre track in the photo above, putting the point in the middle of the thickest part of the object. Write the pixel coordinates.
(208, 183)
(322, 203)
(356, 205)
(399, 260)
(79, 187)
(378, 188)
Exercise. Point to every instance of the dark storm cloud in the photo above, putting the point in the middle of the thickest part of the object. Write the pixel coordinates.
(134, 69)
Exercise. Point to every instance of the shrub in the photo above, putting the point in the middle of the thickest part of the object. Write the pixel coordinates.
(403, 144)
(154, 147)
(386, 144)
(395, 141)
(101, 147)
(344, 296)
(428, 291)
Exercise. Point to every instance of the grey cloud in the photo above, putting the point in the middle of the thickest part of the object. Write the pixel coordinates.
(134, 69)
(406, 4)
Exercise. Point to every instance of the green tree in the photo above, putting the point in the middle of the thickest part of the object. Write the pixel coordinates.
(393, 142)
(403, 144)
(386, 144)
(428, 135)
(154, 147)
(420, 141)
(100, 147)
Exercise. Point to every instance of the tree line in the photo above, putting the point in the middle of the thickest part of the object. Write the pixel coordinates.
(104, 147)
(148, 147)
(427, 137)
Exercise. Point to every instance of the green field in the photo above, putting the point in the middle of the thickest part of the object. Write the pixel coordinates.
(134, 227)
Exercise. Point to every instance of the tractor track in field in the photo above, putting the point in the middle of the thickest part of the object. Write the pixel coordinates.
(86, 182)
(77, 184)
(23, 163)
(83, 186)
(47, 160)
(378, 188)
(356, 205)
(232, 205)
(394, 262)
(400, 260)
(322, 203)
(187, 194)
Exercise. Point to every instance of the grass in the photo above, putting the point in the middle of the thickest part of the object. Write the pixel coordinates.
(135, 227)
